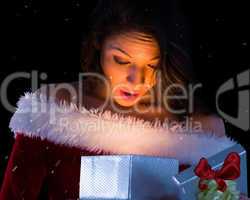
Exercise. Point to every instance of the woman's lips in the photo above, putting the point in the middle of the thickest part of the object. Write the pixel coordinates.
(130, 95)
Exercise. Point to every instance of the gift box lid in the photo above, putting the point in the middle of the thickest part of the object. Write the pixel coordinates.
(187, 181)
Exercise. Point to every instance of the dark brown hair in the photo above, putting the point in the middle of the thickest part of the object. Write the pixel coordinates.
(156, 18)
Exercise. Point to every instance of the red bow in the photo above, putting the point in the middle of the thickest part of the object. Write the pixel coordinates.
(229, 171)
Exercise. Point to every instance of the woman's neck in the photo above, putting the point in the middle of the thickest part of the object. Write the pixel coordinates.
(99, 98)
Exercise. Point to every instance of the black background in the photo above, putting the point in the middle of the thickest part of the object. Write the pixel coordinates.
(46, 36)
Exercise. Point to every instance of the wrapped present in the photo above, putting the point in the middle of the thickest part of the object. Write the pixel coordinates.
(127, 177)
(134, 177)
(189, 184)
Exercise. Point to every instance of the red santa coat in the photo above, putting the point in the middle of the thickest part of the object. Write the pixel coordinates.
(50, 139)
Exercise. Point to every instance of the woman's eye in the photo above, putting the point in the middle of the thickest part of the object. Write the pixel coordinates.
(120, 61)
(152, 66)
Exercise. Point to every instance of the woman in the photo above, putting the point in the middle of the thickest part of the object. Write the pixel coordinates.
(128, 46)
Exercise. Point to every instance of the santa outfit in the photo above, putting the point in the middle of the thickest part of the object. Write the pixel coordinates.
(51, 137)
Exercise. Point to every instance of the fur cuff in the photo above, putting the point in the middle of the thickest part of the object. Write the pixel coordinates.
(37, 116)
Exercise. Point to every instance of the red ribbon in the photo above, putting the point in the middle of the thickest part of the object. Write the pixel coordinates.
(229, 171)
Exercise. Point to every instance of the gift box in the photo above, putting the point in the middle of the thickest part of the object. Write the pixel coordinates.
(127, 177)
(134, 177)
(187, 181)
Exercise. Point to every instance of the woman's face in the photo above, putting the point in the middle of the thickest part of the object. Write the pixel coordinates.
(130, 61)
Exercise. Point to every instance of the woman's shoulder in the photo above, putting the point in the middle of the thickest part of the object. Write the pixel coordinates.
(77, 92)
(210, 122)
(64, 91)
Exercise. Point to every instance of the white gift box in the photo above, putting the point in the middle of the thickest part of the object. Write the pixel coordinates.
(132, 177)
(127, 177)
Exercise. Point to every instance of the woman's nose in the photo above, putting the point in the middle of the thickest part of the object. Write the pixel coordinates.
(135, 75)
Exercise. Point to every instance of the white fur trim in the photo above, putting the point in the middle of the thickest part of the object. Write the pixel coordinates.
(37, 116)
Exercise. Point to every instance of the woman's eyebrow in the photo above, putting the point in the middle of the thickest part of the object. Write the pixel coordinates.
(119, 49)
(124, 52)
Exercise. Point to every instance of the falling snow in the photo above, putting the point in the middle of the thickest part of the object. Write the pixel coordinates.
(244, 44)
(210, 55)
(58, 163)
(14, 169)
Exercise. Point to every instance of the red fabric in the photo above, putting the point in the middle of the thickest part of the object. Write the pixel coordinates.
(35, 164)
(229, 171)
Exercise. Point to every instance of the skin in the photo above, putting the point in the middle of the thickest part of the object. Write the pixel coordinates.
(129, 61)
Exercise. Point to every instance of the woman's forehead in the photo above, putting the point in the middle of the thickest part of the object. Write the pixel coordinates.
(133, 41)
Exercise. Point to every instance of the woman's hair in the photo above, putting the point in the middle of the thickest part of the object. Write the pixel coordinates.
(155, 18)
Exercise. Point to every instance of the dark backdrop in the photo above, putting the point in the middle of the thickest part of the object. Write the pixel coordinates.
(45, 36)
